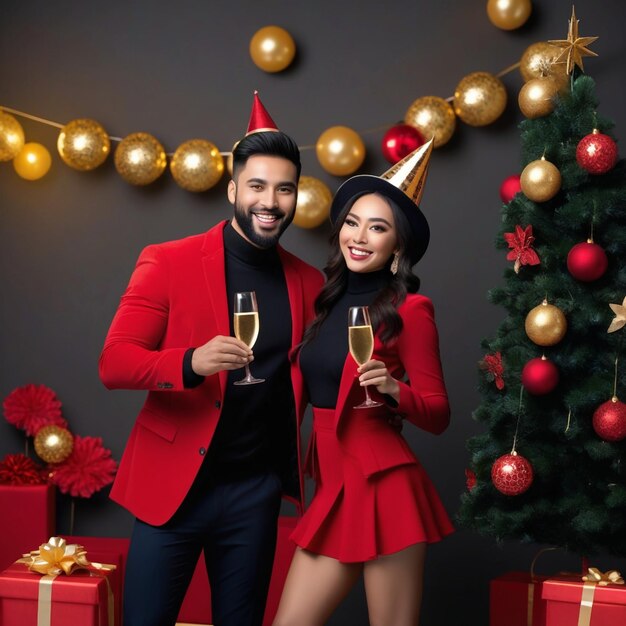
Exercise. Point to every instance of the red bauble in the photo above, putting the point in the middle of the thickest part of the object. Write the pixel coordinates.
(609, 420)
(509, 188)
(596, 153)
(512, 474)
(587, 261)
(540, 376)
(399, 141)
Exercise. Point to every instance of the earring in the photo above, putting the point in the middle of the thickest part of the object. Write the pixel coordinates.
(394, 263)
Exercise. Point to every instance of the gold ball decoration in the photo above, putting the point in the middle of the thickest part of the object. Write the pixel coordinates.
(140, 159)
(313, 206)
(509, 14)
(540, 180)
(33, 161)
(272, 49)
(479, 99)
(197, 165)
(83, 144)
(11, 137)
(539, 60)
(546, 324)
(340, 150)
(433, 117)
(537, 97)
(53, 444)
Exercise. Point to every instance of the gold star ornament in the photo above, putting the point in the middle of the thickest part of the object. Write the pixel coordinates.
(574, 47)
(619, 321)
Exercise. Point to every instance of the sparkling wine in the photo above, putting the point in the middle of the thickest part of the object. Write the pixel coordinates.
(247, 327)
(361, 341)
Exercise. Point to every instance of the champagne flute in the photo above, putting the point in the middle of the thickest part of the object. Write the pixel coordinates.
(246, 325)
(361, 341)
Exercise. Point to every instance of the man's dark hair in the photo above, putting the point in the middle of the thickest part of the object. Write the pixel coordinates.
(269, 143)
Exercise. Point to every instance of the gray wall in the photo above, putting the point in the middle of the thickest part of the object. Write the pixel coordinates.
(179, 70)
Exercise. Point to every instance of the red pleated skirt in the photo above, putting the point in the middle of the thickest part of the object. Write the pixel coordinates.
(354, 518)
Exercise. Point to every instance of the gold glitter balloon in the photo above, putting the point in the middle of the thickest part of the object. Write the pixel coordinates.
(33, 161)
(313, 207)
(197, 165)
(433, 117)
(537, 97)
(546, 324)
(340, 150)
(11, 137)
(539, 60)
(540, 180)
(272, 49)
(140, 159)
(479, 99)
(508, 14)
(53, 444)
(83, 144)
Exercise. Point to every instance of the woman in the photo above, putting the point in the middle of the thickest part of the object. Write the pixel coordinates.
(375, 508)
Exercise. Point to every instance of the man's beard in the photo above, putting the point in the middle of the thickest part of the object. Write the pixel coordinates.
(245, 221)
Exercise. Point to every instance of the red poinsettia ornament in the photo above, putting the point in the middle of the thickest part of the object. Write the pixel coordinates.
(492, 363)
(88, 469)
(520, 243)
(18, 469)
(32, 406)
(470, 479)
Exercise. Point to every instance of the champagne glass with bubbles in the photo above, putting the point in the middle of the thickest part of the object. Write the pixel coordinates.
(361, 342)
(246, 326)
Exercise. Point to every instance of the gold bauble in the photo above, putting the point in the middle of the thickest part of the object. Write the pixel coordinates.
(508, 14)
(53, 444)
(540, 180)
(11, 137)
(537, 97)
(272, 48)
(340, 150)
(197, 165)
(313, 206)
(479, 99)
(546, 324)
(140, 159)
(83, 144)
(539, 60)
(433, 117)
(33, 161)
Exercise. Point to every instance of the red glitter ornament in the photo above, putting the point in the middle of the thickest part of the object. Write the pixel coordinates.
(596, 153)
(540, 376)
(609, 420)
(399, 141)
(511, 474)
(510, 187)
(587, 261)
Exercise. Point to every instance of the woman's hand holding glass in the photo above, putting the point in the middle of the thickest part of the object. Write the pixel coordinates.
(375, 373)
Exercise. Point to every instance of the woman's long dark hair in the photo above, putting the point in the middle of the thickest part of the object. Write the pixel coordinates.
(383, 310)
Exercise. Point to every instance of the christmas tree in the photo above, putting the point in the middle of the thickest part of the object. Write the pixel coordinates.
(550, 466)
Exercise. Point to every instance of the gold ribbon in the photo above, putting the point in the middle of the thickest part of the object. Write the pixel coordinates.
(592, 580)
(612, 577)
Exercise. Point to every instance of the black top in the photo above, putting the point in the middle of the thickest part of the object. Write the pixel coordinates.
(322, 360)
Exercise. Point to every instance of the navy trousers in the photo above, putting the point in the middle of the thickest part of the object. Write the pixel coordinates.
(235, 523)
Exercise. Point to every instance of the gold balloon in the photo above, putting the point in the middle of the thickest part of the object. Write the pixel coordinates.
(53, 444)
(546, 324)
(433, 117)
(33, 161)
(508, 14)
(11, 137)
(140, 159)
(272, 48)
(540, 180)
(313, 206)
(197, 165)
(479, 99)
(340, 150)
(83, 144)
(539, 60)
(536, 97)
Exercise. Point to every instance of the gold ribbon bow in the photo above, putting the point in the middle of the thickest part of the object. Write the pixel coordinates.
(612, 577)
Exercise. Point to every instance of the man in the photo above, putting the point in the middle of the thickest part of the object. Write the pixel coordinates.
(207, 460)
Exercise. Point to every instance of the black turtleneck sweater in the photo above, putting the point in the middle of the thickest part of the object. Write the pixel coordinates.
(322, 359)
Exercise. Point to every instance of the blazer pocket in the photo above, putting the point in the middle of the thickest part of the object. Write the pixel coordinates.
(158, 425)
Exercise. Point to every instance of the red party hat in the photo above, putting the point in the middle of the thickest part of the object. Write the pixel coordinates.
(260, 120)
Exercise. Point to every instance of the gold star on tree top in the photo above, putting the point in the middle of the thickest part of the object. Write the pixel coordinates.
(575, 47)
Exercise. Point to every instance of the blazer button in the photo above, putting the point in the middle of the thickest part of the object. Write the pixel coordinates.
(218, 404)
(202, 451)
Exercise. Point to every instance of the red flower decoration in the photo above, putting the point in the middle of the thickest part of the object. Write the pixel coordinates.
(470, 479)
(521, 241)
(31, 407)
(18, 469)
(88, 469)
(492, 363)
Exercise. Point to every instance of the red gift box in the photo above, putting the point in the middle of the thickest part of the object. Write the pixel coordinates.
(27, 519)
(515, 600)
(571, 601)
(82, 599)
